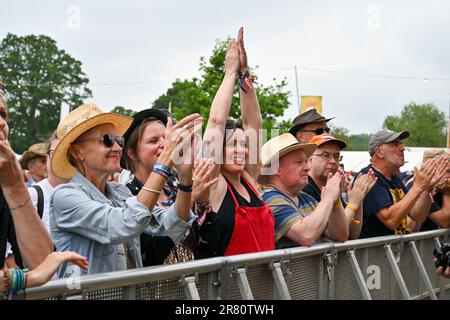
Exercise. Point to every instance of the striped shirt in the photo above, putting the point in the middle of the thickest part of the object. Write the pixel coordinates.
(286, 212)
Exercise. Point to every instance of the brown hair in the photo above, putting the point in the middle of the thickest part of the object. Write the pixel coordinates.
(132, 143)
(230, 128)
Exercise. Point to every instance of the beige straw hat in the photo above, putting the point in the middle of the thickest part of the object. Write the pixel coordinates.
(36, 150)
(279, 146)
(77, 122)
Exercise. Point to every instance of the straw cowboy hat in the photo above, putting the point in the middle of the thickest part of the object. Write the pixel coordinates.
(77, 122)
(36, 150)
(279, 146)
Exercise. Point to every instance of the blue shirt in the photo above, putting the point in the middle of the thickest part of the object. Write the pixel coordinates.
(286, 212)
(384, 194)
(83, 220)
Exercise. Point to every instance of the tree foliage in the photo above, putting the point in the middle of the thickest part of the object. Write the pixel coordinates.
(123, 111)
(39, 77)
(196, 95)
(425, 123)
(355, 142)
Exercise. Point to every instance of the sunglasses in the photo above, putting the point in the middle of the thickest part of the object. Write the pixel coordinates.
(107, 139)
(318, 131)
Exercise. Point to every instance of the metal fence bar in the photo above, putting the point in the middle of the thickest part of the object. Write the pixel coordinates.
(422, 270)
(397, 273)
(129, 293)
(280, 282)
(222, 270)
(358, 275)
(190, 288)
(244, 286)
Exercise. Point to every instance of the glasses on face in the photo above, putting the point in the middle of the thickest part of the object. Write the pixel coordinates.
(107, 140)
(327, 156)
(318, 131)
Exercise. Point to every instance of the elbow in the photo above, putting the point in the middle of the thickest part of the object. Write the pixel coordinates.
(445, 224)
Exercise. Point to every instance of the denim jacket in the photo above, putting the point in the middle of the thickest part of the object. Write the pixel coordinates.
(83, 220)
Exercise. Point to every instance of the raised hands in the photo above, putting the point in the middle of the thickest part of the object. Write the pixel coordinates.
(242, 52)
(232, 62)
(178, 137)
(363, 184)
(179, 142)
(332, 189)
(10, 171)
(203, 180)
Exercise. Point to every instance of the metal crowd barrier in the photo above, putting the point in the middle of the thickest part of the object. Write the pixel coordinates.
(392, 267)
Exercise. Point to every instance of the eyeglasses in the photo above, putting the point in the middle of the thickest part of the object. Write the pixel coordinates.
(318, 131)
(327, 156)
(107, 139)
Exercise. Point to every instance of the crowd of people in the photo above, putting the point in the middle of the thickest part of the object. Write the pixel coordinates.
(184, 196)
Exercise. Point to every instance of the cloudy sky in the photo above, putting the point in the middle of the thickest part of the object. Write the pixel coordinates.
(366, 58)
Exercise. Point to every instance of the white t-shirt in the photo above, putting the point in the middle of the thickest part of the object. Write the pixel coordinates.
(47, 189)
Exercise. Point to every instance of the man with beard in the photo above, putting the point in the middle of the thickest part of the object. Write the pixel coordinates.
(389, 208)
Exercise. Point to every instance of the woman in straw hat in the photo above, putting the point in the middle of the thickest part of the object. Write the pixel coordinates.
(241, 222)
(101, 220)
(144, 142)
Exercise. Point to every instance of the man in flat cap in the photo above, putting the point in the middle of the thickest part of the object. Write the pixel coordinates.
(389, 208)
(309, 124)
(35, 161)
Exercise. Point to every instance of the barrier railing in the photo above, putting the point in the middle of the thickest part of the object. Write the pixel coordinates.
(392, 267)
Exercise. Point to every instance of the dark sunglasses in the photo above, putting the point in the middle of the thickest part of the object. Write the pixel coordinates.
(108, 140)
(318, 131)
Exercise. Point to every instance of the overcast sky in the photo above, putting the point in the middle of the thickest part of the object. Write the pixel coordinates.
(155, 42)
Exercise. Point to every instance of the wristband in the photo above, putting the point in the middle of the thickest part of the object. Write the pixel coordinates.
(184, 188)
(352, 207)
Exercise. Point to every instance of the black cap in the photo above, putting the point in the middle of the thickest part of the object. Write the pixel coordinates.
(139, 117)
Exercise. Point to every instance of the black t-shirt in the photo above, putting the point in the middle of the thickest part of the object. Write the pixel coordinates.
(154, 249)
(7, 233)
(313, 190)
(384, 194)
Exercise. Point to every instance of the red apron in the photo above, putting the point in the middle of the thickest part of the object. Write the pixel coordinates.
(254, 228)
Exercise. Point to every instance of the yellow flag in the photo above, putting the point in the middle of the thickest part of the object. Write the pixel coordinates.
(311, 102)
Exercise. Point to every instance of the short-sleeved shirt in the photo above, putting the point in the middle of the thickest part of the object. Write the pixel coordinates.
(384, 194)
(286, 212)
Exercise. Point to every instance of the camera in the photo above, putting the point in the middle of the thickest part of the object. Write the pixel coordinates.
(442, 255)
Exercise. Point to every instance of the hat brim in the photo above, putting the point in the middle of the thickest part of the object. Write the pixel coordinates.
(340, 143)
(299, 126)
(60, 163)
(27, 156)
(308, 148)
(401, 135)
(139, 117)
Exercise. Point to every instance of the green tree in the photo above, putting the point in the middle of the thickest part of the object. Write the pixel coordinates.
(39, 77)
(196, 95)
(123, 111)
(425, 122)
(355, 142)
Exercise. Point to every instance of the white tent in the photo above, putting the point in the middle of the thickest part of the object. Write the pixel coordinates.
(356, 160)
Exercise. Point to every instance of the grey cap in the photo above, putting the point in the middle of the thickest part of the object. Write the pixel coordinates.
(385, 136)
